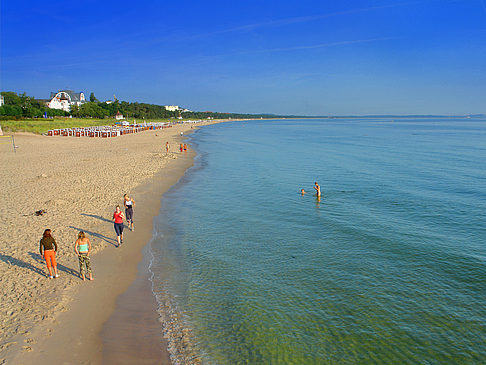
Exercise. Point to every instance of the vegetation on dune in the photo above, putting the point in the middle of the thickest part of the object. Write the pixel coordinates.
(40, 125)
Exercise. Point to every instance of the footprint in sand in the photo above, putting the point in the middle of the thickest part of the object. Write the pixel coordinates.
(29, 340)
(27, 348)
(7, 345)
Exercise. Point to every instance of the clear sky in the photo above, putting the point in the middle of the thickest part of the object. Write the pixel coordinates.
(276, 56)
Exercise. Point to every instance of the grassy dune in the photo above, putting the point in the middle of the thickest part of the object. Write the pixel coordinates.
(40, 126)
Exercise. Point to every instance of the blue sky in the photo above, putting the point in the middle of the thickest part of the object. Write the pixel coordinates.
(286, 57)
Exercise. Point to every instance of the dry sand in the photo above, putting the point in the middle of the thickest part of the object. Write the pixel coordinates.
(78, 181)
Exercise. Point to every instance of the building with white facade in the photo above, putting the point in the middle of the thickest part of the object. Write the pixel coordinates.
(63, 100)
(2, 100)
(172, 108)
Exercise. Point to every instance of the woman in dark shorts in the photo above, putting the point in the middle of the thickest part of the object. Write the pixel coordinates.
(129, 205)
(118, 218)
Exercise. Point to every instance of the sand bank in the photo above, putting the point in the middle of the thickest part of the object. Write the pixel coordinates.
(78, 181)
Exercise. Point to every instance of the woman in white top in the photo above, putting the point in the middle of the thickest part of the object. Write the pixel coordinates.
(129, 205)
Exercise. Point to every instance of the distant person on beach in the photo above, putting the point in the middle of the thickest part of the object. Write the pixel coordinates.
(318, 189)
(167, 146)
(118, 218)
(302, 191)
(181, 147)
(185, 147)
(82, 247)
(48, 249)
(129, 204)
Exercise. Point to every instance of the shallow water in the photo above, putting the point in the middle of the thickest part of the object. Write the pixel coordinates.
(389, 267)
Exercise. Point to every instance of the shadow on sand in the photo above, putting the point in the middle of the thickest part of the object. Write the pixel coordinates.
(14, 261)
(60, 267)
(109, 240)
(97, 217)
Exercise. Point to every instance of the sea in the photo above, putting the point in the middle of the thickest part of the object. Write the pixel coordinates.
(387, 267)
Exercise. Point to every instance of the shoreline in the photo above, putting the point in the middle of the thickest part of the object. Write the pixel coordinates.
(133, 333)
(70, 330)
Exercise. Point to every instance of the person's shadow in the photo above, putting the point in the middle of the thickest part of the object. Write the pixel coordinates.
(100, 218)
(37, 257)
(13, 261)
(109, 240)
(97, 217)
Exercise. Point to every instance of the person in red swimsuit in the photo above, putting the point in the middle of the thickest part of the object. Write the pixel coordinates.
(118, 218)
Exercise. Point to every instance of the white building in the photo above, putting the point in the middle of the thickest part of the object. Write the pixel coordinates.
(2, 101)
(118, 116)
(63, 100)
(172, 108)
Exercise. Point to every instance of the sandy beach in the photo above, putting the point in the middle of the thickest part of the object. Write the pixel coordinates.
(78, 182)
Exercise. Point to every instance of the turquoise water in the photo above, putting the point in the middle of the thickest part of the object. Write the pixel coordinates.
(389, 267)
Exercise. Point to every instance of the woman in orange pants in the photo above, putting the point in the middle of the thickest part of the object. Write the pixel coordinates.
(48, 249)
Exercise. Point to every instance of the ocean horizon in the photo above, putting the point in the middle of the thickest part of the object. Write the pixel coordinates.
(388, 266)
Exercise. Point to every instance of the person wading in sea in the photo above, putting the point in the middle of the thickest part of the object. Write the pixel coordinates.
(318, 189)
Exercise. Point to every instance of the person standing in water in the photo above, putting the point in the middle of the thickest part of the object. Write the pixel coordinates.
(48, 249)
(82, 247)
(302, 191)
(318, 189)
(129, 205)
(118, 218)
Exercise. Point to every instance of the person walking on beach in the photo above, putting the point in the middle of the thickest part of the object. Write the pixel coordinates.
(48, 249)
(129, 205)
(118, 218)
(185, 147)
(318, 189)
(82, 247)
(181, 147)
(167, 147)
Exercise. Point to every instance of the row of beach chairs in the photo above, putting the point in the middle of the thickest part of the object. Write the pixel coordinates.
(105, 131)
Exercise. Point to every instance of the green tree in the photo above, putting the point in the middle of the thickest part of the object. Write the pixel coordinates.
(93, 110)
(11, 110)
(92, 98)
(74, 111)
(11, 98)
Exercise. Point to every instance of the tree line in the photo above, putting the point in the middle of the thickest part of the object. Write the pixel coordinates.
(23, 106)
